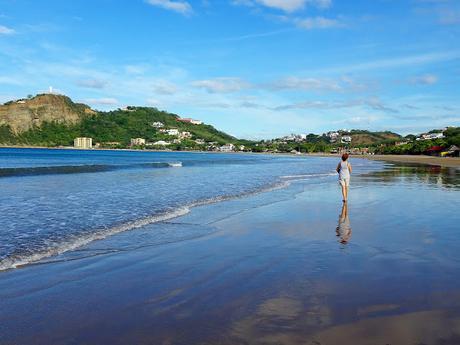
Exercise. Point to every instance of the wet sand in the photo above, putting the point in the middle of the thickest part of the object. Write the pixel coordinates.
(421, 159)
(283, 267)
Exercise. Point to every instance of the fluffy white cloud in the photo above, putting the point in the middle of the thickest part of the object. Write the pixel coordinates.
(285, 5)
(178, 6)
(221, 85)
(6, 31)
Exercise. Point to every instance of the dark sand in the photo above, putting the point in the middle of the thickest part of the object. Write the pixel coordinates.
(420, 159)
(267, 269)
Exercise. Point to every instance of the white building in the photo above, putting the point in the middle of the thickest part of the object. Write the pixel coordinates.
(227, 148)
(137, 141)
(199, 141)
(172, 131)
(161, 143)
(345, 139)
(436, 136)
(83, 143)
(158, 124)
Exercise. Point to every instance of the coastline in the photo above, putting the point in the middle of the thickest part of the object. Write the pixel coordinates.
(450, 162)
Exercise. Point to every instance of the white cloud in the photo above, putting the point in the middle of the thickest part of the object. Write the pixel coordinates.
(221, 85)
(449, 15)
(92, 83)
(136, 69)
(101, 101)
(373, 103)
(9, 80)
(6, 30)
(317, 23)
(427, 79)
(182, 7)
(397, 62)
(295, 83)
(286, 5)
(164, 87)
(153, 102)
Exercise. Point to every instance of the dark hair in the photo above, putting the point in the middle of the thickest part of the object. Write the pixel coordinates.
(345, 157)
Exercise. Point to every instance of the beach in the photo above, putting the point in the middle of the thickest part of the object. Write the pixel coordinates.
(452, 162)
(282, 266)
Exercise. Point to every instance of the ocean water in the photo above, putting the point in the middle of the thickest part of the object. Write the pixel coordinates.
(53, 201)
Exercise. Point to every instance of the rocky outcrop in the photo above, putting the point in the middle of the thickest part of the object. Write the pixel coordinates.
(22, 115)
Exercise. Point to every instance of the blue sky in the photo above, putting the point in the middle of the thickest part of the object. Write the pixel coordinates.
(253, 68)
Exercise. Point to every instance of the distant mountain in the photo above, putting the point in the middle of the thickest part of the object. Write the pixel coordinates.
(54, 120)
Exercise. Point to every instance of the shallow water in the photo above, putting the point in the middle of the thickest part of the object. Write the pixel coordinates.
(268, 268)
(53, 201)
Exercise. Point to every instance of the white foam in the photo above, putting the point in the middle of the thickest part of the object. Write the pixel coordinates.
(306, 176)
(175, 164)
(15, 262)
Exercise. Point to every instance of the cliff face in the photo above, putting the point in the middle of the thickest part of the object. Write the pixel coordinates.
(22, 115)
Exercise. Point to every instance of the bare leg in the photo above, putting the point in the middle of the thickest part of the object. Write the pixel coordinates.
(344, 192)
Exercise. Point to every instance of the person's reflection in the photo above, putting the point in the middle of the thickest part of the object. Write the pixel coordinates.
(344, 229)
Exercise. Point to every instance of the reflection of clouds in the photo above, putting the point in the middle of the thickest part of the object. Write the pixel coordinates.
(414, 173)
(283, 320)
(377, 308)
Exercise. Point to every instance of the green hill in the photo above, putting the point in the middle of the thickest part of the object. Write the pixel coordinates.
(71, 120)
(362, 137)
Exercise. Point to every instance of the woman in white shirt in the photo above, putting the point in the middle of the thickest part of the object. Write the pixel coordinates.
(344, 170)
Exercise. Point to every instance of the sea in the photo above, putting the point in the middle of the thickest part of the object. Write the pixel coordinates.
(54, 200)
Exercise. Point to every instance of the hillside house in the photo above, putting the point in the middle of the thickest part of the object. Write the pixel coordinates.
(346, 139)
(185, 135)
(137, 141)
(227, 148)
(171, 131)
(189, 120)
(434, 151)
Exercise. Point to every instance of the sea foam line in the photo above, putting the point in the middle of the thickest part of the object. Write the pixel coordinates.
(18, 261)
(14, 262)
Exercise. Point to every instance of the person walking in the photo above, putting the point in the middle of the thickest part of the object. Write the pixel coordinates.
(344, 171)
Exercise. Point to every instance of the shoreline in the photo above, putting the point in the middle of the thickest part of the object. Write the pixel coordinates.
(449, 162)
